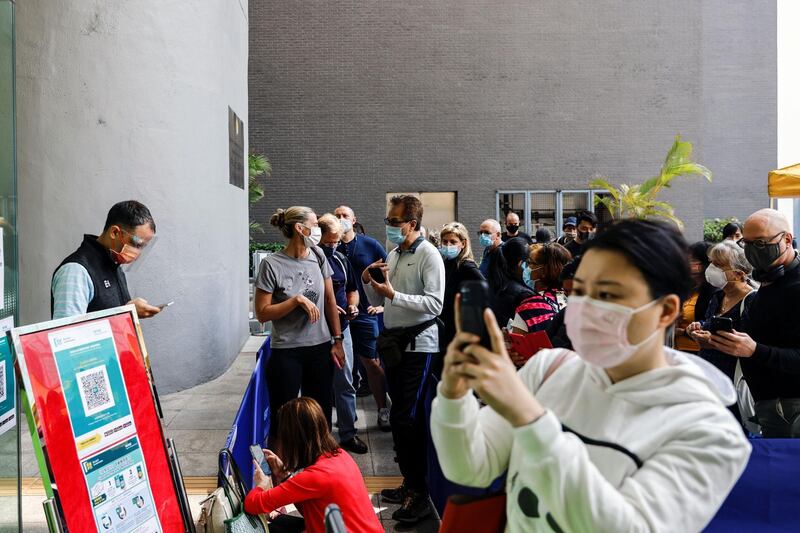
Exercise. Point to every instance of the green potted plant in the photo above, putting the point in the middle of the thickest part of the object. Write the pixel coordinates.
(641, 201)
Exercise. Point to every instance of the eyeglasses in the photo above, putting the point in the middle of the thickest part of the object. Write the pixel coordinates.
(136, 241)
(760, 243)
(395, 222)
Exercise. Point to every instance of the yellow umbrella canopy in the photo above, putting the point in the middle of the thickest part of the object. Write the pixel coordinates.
(785, 182)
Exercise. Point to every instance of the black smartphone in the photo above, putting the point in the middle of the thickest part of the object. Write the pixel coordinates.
(377, 274)
(720, 323)
(258, 455)
(474, 300)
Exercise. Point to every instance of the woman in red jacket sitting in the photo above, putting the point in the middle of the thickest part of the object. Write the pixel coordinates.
(313, 473)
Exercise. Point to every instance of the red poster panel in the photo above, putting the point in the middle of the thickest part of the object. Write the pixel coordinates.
(91, 400)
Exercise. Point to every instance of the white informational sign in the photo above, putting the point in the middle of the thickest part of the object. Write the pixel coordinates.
(8, 382)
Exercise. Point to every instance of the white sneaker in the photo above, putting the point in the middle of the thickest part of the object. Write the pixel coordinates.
(383, 419)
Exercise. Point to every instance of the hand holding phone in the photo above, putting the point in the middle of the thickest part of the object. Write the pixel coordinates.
(474, 300)
(163, 306)
(720, 323)
(258, 456)
(377, 274)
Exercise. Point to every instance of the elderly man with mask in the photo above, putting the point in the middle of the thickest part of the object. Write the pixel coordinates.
(490, 238)
(769, 345)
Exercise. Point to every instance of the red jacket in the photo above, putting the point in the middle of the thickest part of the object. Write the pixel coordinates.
(332, 479)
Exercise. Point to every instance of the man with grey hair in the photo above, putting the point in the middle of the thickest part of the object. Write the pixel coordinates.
(490, 239)
(769, 345)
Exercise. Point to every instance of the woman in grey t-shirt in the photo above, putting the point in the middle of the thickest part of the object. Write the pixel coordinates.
(294, 291)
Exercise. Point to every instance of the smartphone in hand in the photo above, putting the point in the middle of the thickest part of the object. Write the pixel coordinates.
(377, 274)
(720, 323)
(258, 455)
(474, 300)
(164, 306)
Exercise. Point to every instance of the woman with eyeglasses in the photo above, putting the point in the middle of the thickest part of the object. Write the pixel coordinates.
(459, 267)
(623, 434)
(294, 290)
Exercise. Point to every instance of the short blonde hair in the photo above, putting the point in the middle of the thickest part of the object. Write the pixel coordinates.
(285, 219)
(330, 224)
(459, 230)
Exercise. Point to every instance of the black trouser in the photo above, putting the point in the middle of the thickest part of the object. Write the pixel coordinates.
(407, 381)
(779, 418)
(308, 369)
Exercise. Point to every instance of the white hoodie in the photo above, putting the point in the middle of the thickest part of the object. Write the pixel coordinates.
(675, 450)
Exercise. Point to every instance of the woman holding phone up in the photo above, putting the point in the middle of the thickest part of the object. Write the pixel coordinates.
(623, 434)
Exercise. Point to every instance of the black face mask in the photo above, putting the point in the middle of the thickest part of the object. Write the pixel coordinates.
(762, 258)
(512, 228)
(585, 236)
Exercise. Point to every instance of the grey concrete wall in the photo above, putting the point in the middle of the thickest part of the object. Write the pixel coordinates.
(120, 100)
(354, 99)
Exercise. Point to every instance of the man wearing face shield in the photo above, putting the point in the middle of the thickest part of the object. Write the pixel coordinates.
(91, 278)
(769, 345)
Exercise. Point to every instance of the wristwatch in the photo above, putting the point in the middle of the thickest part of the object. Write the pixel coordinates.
(337, 338)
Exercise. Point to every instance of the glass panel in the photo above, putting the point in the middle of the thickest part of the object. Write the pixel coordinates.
(511, 201)
(543, 212)
(9, 443)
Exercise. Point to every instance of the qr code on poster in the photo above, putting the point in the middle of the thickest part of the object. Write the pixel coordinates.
(94, 390)
(2, 381)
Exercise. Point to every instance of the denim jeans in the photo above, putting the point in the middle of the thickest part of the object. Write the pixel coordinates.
(344, 393)
(779, 418)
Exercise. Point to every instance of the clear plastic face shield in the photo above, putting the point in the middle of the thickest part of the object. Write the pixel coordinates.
(134, 252)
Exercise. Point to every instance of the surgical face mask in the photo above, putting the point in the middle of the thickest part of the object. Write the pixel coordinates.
(128, 254)
(527, 275)
(716, 276)
(450, 251)
(346, 225)
(485, 240)
(512, 228)
(395, 235)
(570, 233)
(599, 330)
(313, 239)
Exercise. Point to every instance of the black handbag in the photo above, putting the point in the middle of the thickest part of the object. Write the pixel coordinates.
(392, 342)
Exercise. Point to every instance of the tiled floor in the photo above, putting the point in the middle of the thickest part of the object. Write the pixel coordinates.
(199, 420)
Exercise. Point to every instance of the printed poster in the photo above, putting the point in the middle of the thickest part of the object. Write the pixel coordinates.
(119, 489)
(91, 378)
(8, 382)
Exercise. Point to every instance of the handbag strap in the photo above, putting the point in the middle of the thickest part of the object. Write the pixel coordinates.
(233, 483)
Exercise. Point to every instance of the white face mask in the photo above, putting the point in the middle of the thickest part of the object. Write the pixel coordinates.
(346, 225)
(314, 238)
(599, 330)
(716, 276)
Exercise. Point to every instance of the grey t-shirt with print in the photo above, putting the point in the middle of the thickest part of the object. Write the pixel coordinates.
(286, 277)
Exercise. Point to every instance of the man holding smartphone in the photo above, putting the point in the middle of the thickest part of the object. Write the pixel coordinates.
(769, 345)
(91, 278)
(412, 295)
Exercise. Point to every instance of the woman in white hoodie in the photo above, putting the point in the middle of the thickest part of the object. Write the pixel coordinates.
(623, 434)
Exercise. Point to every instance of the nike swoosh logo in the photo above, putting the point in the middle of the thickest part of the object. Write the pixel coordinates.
(411, 264)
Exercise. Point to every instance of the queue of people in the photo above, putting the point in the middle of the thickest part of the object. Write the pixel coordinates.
(624, 425)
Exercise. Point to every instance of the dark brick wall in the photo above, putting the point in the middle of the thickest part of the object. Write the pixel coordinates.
(350, 100)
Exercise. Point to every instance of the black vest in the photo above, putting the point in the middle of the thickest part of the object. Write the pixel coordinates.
(110, 285)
